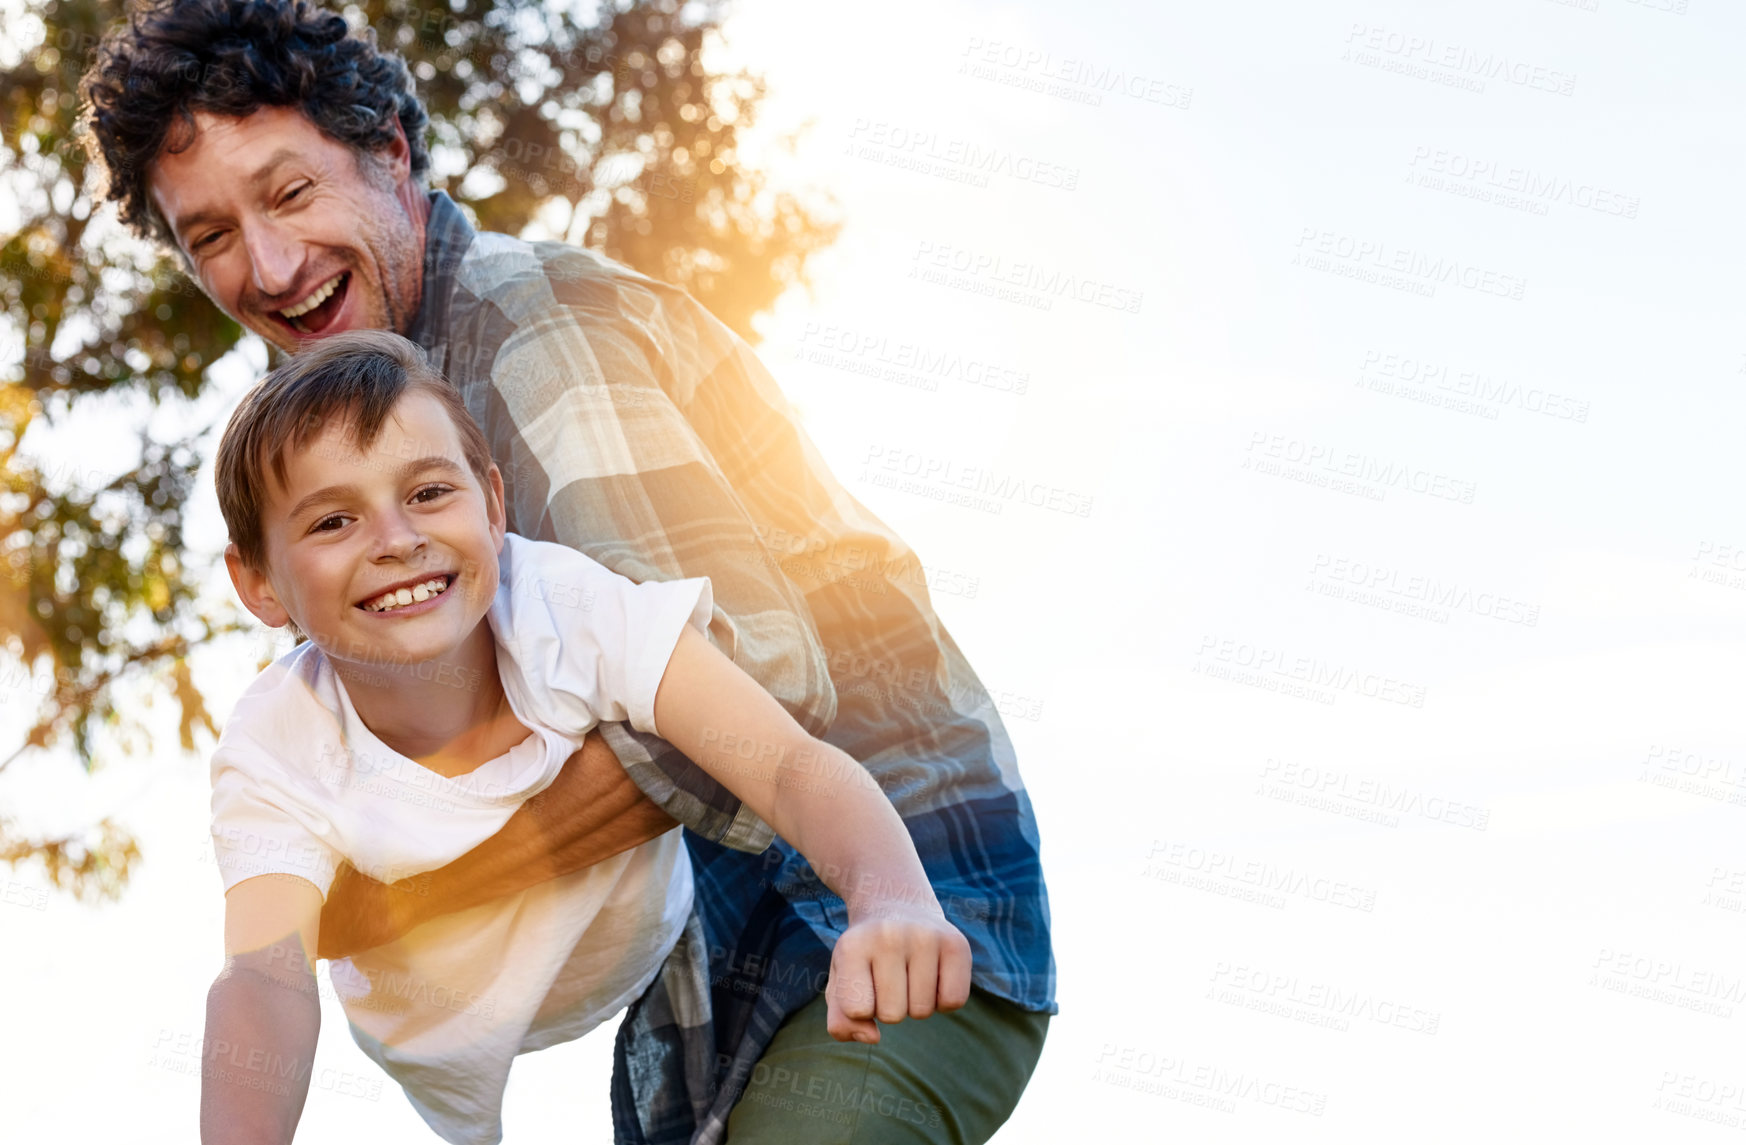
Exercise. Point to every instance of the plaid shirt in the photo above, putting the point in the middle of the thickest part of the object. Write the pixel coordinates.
(631, 424)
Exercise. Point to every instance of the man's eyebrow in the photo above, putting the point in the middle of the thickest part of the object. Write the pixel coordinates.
(183, 224)
(413, 468)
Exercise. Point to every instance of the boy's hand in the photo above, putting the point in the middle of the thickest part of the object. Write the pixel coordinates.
(896, 962)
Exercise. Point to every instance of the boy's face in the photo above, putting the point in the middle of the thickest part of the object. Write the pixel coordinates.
(348, 527)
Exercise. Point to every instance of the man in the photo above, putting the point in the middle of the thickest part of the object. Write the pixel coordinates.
(284, 159)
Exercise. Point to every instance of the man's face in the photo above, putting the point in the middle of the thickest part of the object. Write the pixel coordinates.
(291, 233)
(346, 528)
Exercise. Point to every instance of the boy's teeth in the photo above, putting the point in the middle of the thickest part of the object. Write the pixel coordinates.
(403, 596)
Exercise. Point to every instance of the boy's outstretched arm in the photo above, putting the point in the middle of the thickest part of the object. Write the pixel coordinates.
(262, 1014)
(899, 957)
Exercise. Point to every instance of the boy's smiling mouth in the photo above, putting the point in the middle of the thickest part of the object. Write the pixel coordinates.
(412, 592)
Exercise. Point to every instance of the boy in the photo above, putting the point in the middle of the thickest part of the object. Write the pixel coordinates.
(450, 670)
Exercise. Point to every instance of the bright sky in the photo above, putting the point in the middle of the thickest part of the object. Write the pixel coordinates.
(1377, 369)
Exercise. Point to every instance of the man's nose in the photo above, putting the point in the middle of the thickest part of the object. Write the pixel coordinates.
(275, 258)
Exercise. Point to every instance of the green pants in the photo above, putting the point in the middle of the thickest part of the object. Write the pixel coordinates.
(951, 1079)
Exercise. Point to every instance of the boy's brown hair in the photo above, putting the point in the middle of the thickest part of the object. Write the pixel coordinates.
(352, 379)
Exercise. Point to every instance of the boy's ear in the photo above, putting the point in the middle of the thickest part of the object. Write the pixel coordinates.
(494, 505)
(254, 589)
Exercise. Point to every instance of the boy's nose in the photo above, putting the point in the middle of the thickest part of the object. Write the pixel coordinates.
(398, 538)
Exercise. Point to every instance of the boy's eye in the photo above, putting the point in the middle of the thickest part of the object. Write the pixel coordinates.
(321, 526)
(438, 490)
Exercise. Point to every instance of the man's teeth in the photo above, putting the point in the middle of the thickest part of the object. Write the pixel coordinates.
(400, 597)
(315, 299)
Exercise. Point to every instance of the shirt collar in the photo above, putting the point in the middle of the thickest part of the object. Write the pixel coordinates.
(447, 235)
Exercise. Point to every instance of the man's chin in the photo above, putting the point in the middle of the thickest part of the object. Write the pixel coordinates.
(278, 335)
(291, 341)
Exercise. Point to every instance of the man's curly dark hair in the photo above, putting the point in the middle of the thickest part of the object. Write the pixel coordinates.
(232, 57)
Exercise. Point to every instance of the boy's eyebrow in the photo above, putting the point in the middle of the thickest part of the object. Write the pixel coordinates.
(335, 492)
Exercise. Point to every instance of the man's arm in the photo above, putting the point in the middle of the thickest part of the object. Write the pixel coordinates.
(591, 812)
(262, 1014)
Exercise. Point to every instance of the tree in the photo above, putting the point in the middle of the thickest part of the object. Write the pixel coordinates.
(606, 123)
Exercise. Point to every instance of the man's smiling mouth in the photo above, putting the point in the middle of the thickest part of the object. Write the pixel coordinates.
(313, 314)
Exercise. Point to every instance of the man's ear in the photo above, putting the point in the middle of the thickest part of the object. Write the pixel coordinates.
(395, 159)
(397, 154)
(254, 589)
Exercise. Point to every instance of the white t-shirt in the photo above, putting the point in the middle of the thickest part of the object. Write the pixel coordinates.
(298, 783)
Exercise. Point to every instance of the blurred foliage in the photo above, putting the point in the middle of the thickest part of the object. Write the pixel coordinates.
(603, 123)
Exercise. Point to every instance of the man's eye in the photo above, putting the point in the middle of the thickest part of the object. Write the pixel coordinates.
(294, 192)
(206, 240)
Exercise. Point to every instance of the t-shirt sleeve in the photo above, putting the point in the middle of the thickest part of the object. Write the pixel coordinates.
(603, 639)
(654, 613)
(255, 832)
